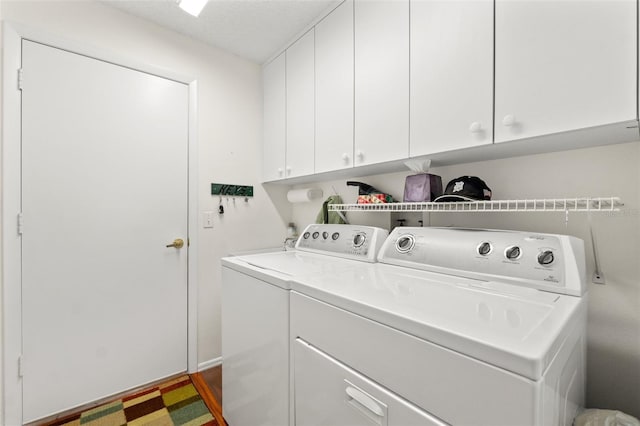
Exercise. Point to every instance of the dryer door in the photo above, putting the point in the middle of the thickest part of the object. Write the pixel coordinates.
(328, 392)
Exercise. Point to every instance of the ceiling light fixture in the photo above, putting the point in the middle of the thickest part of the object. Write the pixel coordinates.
(192, 7)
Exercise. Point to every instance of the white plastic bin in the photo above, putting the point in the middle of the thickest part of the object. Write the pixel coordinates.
(595, 417)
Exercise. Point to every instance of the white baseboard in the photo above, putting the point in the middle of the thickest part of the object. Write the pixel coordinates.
(209, 364)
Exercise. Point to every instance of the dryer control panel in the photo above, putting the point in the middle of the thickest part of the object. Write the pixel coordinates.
(548, 262)
(347, 241)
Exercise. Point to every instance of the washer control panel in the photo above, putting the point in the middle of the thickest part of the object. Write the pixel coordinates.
(348, 241)
(545, 261)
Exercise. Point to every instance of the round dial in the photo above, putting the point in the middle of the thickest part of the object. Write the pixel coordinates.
(546, 257)
(405, 243)
(325, 235)
(335, 236)
(512, 253)
(315, 235)
(359, 239)
(484, 249)
(306, 235)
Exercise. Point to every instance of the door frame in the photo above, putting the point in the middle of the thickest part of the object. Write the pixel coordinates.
(11, 305)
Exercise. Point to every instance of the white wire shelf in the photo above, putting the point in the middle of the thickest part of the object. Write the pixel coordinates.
(608, 204)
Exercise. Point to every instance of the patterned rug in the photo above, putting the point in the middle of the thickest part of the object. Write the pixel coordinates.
(176, 402)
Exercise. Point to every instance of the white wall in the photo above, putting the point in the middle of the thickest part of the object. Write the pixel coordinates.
(1, 270)
(229, 130)
(614, 309)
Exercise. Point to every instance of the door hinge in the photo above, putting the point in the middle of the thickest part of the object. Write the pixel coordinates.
(20, 78)
(20, 223)
(20, 366)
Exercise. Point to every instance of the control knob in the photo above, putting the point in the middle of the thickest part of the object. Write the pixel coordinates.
(405, 243)
(359, 239)
(484, 249)
(325, 235)
(335, 236)
(315, 235)
(512, 253)
(306, 235)
(546, 257)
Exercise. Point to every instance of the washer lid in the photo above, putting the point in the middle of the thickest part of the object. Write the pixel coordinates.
(278, 268)
(515, 328)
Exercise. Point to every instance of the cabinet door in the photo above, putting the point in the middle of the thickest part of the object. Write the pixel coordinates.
(334, 90)
(328, 392)
(300, 107)
(381, 81)
(563, 65)
(274, 143)
(451, 75)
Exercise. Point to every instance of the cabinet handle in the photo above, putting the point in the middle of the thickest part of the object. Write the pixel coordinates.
(475, 127)
(509, 120)
(345, 157)
(360, 155)
(280, 171)
(288, 170)
(364, 400)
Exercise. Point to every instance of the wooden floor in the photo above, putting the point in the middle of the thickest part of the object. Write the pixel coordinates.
(209, 385)
(213, 377)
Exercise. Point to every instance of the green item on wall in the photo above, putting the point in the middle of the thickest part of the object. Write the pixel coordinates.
(326, 216)
(231, 190)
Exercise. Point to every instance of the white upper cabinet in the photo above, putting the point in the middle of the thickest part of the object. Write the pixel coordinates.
(451, 75)
(563, 65)
(274, 116)
(300, 107)
(334, 90)
(381, 81)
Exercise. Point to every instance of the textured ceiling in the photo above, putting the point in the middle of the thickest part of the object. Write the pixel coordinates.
(252, 29)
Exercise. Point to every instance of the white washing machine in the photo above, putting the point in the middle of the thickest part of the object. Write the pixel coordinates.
(452, 326)
(255, 316)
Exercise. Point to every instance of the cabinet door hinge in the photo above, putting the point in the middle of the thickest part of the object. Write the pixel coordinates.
(20, 223)
(20, 366)
(20, 78)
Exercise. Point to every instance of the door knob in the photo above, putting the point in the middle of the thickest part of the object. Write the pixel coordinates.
(509, 120)
(177, 243)
(475, 127)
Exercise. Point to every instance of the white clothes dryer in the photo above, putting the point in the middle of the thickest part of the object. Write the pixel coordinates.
(452, 326)
(255, 316)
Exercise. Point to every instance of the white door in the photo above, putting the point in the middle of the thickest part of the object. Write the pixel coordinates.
(381, 81)
(327, 392)
(104, 190)
(451, 75)
(274, 119)
(334, 90)
(563, 65)
(300, 107)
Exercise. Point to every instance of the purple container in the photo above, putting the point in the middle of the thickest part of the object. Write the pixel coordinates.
(422, 187)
